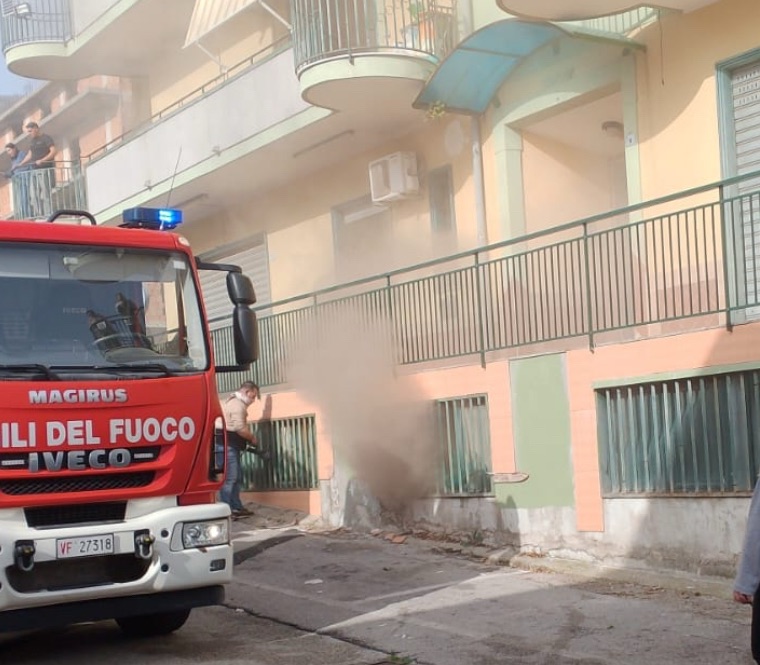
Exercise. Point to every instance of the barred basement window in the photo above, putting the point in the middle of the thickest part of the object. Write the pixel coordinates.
(683, 437)
(463, 426)
(293, 461)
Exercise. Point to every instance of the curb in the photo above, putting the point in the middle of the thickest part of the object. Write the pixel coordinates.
(718, 587)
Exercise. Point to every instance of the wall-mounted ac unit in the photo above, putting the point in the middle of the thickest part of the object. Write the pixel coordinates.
(394, 177)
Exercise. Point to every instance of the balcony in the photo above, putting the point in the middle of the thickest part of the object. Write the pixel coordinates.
(38, 193)
(561, 10)
(75, 39)
(361, 53)
(204, 146)
(37, 21)
(681, 263)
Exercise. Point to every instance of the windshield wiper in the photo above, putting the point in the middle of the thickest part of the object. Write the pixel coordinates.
(137, 367)
(117, 368)
(30, 368)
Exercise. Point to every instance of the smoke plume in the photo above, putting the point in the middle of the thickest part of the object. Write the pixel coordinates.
(381, 425)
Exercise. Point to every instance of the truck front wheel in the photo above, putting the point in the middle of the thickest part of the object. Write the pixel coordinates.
(153, 625)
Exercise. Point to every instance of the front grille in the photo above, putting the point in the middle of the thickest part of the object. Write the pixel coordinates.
(77, 573)
(90, 483)
(49, 516)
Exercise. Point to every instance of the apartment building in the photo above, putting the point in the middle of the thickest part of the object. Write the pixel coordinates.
(548, 208)
(79, 116)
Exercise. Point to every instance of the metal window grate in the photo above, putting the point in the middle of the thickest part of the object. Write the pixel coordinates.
(463, 427)
(688, 436)
(293, 461)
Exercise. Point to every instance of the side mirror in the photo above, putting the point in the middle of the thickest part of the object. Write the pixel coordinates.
(240, 289)
(245, 333)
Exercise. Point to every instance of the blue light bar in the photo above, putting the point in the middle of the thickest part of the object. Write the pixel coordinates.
(152, 218)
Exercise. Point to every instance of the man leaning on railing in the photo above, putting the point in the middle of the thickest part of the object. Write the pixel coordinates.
(41, 159)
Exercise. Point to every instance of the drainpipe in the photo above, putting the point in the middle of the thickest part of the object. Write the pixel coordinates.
(466, 28)
(478, 182)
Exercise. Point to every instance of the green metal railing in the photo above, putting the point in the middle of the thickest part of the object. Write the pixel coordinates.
(292, 464)
(619, 24)
(463, 429)
(256, 59)
(687, 436)
(37, 193)
(688, 255)
(323, 29)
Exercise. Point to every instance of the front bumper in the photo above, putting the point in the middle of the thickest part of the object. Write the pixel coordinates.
(170, 571)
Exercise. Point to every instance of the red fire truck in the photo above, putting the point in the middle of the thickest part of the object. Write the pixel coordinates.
(107, 407)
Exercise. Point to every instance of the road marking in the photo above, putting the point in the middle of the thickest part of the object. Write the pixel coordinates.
(431, 587)
(395, 613)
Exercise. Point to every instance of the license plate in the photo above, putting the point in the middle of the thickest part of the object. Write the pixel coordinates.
(72, 548)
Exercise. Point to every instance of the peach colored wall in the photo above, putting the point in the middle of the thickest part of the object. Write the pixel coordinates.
(627, 362)
(94, 138)
(306, 502)
(58, 101)
(678, 120)
(562, 183)
(289, 405)
(492, 380)
(5, 199)
(562, 76)
(474, 379)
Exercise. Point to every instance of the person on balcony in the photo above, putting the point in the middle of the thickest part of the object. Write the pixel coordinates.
(41, 159)
(19, 181)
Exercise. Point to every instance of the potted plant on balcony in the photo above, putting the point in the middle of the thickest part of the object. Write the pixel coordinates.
(430, 26)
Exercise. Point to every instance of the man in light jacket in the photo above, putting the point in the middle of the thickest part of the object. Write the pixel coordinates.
(748, 578)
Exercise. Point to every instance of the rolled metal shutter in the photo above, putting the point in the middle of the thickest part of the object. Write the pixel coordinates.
(745, 93)
(254, 261)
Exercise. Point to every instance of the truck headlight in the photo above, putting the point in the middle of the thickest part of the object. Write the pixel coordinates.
(204, 534)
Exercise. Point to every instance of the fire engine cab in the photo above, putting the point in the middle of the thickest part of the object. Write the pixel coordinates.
(108, 400)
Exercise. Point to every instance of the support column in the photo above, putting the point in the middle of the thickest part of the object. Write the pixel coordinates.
(510, 185)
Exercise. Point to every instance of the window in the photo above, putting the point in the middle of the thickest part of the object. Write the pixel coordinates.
(441, 193)
(739, 82)
(686, 436)
(88, 308)
(463, 426)
(364, 242)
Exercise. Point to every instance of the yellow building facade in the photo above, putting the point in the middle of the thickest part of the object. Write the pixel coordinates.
(505, 256)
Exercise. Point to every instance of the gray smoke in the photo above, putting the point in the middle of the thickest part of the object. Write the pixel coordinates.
(381, 424)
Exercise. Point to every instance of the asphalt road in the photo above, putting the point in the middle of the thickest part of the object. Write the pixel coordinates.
(346, 599)
(219, 635)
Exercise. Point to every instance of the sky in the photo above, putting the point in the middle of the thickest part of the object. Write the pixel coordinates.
(10, 84)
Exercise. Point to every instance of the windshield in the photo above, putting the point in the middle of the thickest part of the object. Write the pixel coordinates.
(86, 307)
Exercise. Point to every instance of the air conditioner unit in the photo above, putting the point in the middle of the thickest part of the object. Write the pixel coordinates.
(394, 177)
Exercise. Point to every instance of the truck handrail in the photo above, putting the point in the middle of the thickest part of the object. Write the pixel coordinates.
(72, 213)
